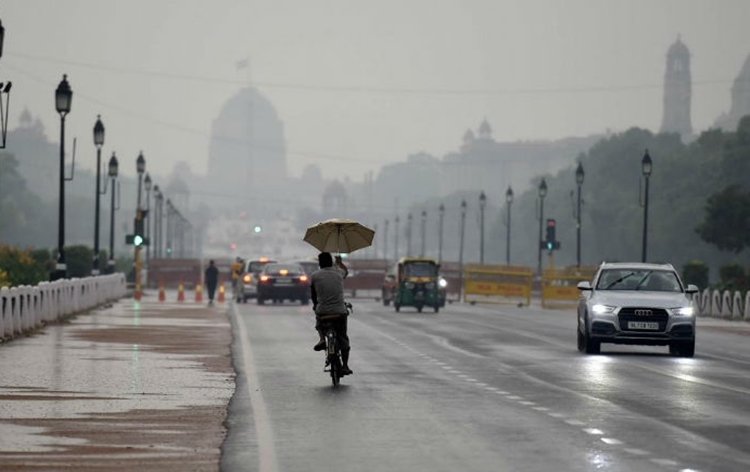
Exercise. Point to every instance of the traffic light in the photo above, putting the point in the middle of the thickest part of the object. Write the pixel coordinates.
(550, 241)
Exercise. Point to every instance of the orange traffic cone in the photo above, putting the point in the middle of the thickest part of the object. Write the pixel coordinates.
(180, 293)
(162, 294)
(198, 292)
(221, 293)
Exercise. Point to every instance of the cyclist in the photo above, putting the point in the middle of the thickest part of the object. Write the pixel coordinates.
(327, 294)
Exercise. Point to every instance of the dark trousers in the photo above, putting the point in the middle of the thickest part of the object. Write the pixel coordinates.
(211, 290)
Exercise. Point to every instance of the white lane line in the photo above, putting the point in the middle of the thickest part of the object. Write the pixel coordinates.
(514, 397)
(594, 431)
(575, 422)
(554, 414)
(636, 451)
(612, 441)
(665, 462)
(541, 408)
(266, 452)
(527, 403)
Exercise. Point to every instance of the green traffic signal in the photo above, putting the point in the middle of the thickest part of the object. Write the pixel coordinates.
(137, 240)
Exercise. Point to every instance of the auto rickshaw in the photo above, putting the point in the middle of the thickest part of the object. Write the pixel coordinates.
(417, 284)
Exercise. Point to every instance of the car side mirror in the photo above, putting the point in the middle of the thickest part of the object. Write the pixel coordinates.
(584, 285)
(692, 289)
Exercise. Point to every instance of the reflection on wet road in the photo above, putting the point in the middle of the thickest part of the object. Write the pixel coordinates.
(491, 388)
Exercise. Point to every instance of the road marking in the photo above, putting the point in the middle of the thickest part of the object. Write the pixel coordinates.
(636, 451)
(594, 431)
(612, 441)
(665, 462)
(266, 453)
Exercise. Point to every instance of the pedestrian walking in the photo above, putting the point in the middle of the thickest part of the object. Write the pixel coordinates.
(211, 277)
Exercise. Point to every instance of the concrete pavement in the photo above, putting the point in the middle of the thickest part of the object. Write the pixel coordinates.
(134, 386)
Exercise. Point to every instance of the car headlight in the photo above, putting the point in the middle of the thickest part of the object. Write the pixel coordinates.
(684, 311)
(601, 309)
(443, 283)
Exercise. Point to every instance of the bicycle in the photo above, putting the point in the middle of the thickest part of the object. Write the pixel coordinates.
(333, 363)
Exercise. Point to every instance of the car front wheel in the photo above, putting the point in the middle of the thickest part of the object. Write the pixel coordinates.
(682, 348)
(585, 343)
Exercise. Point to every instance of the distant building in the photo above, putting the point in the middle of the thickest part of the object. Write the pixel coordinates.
(677, 91)
(740, 100)
(247, 155)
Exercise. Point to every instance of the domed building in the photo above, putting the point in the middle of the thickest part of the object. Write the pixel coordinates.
(247, 155)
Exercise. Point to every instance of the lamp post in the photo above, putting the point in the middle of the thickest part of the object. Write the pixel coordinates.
(441, 212)
(98, 142)
(408, 234)
(385, 241)
(157, 221)
(508, 202)
(646, 164)
(482, 203)
(146, 216)
(424, 232)
(579, 183)
(63, 99)
(542, 193)
(170, 217)
(395, 245)
(4, 94)
(461, 249)
(112, 175)
(140, 167)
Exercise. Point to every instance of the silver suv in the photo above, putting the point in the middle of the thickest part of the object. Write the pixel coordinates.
(636, 303)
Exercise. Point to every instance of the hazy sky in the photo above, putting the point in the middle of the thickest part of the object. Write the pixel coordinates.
(361, 83)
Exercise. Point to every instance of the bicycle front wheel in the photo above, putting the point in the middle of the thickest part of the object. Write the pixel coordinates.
(335, 370)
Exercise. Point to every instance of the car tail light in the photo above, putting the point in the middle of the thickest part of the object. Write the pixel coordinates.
(303, 278)
(247, 278)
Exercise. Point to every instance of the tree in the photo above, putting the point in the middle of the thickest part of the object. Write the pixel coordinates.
(727, 222)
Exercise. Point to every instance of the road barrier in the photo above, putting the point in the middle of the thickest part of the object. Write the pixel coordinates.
(365, 277)
(497, 283)
(559, 286)
(726, 304)
(25, 308)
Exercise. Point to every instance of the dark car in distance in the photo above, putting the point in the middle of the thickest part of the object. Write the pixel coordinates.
(278, 282)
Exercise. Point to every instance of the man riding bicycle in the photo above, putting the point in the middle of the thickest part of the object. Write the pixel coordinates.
(327, 294)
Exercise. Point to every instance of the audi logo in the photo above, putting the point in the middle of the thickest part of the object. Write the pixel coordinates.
(643, 313)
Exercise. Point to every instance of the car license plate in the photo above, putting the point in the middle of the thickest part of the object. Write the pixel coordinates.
(642, 325)
(283, 280)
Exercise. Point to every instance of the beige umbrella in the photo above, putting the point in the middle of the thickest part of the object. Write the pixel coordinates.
(339, 235)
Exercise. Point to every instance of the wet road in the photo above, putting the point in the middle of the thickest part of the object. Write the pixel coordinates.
(482, 388)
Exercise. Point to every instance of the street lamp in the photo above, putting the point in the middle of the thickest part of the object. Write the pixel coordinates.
(147, 184)
(385, 241)
(63, 99)
(482, 203)
(395, 244)
(424, 232)
(170, 217)
(579, 182)
(646, 169)
(408, 235)
(140, 167)
(542, 194)
(461, 249)
(508, 202)
(157, 221)
(98, 142)
(441, 212)
(113, 175)
(4, 93)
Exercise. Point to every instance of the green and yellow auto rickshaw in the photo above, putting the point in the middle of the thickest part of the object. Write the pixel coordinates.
(417, 284)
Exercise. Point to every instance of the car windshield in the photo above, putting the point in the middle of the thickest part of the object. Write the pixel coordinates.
(256, 266)
(420, 269)
(283, 269)
(639, 279)
(309, 267)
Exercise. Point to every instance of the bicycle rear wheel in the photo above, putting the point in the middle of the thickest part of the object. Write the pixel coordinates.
(335, 371)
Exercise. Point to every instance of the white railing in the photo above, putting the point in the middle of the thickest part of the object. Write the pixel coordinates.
(25, 307)
(726, 304)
